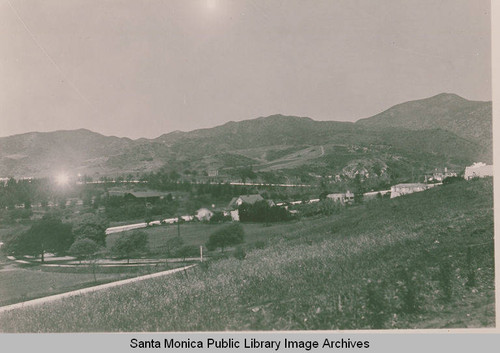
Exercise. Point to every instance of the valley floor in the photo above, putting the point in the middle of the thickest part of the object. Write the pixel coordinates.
(419, 261)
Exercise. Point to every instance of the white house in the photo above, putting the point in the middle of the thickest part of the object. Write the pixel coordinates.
(204, 214)
(478, 170)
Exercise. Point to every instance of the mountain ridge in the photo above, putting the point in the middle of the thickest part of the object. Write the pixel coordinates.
(444, 125)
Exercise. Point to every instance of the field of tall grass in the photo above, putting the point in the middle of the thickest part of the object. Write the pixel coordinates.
(420, 261)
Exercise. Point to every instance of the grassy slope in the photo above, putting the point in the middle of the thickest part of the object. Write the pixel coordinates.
(399, 263)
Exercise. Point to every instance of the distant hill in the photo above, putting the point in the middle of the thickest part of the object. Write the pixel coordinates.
(36, 154)
(471, 120)
(445, 130)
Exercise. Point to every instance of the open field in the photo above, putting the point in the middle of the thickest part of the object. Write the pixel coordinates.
(420, 261)
(198, 233)
(22, 282)
(17, 284)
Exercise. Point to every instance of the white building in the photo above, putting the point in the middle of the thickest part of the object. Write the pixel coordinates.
(204, 214)
(478, 170)
(235, 215)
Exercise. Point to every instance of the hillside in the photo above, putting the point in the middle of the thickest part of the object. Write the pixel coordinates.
(444, 130)
(419, 261)
(470, 120)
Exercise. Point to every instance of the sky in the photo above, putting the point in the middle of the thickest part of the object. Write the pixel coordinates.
(142, 68)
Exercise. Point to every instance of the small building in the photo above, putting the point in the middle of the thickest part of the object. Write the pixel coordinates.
(249, 199)
(478, 170)
(204, 214)
(235, 215)
(343, 198)
(405, 189)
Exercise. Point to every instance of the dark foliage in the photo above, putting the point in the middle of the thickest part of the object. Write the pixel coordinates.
(262, 212)
(46, 235)
(231, 234)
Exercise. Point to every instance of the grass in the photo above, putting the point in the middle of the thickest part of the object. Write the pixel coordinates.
(198, 233)
(398, 263)
(19, 285)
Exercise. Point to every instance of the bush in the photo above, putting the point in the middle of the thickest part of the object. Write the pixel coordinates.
(231, 234)
(188, 251)
(218, 217)
(83, 248)
(262, 212)
(131, 244)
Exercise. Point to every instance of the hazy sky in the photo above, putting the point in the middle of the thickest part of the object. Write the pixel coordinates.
(141, 68)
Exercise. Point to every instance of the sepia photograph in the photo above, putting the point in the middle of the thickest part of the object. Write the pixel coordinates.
(246, 166)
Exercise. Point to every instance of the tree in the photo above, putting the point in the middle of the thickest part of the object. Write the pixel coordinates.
(86, 249)
(91, 226)
(46, 235)
(83, 249)
(131, 244)
(231, 234)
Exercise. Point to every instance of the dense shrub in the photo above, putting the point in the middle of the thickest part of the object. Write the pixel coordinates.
(231, 234)
(131, 244)
(262, 212)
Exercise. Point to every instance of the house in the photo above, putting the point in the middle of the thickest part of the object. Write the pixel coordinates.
(204, 214)
(478, 170)
(250, 199)
(405, 189)
(343, 198)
